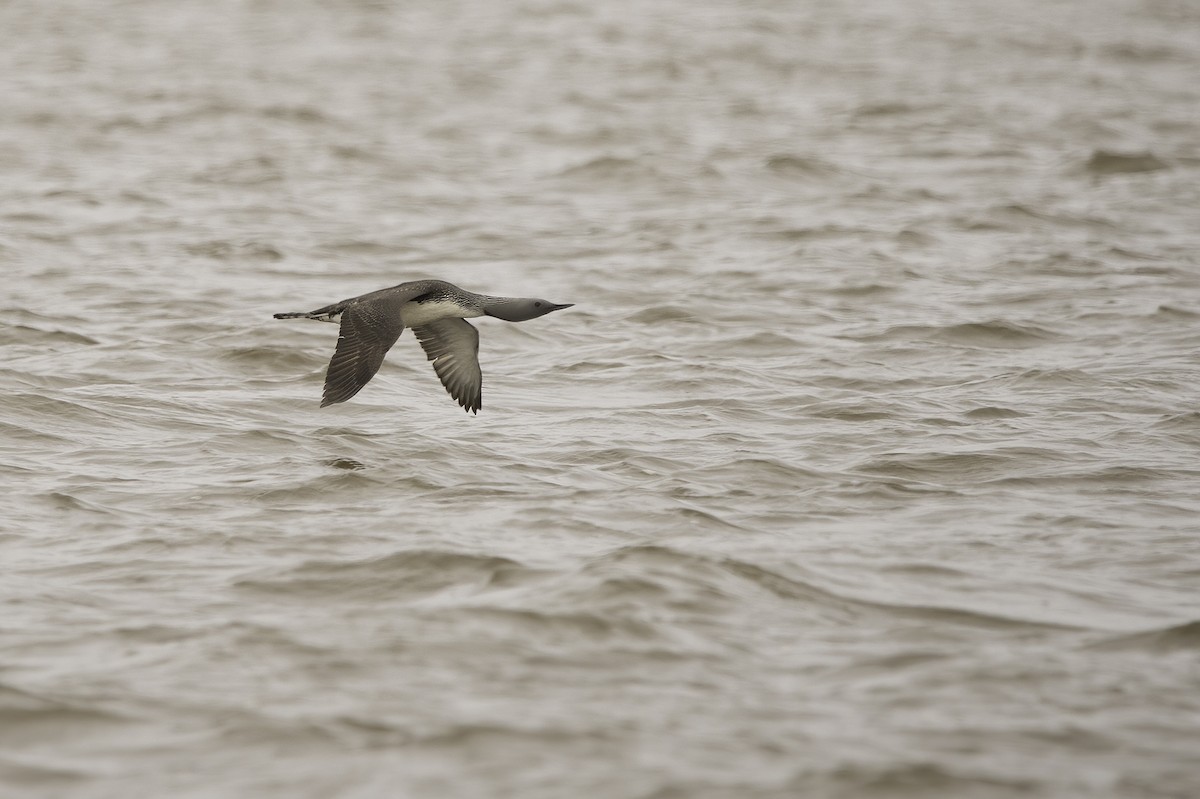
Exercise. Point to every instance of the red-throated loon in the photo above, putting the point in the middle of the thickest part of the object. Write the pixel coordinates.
(437, 312)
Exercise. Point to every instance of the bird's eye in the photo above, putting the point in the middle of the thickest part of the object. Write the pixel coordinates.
(537, 305)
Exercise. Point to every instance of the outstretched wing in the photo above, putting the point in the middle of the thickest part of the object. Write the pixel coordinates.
(369, 329)
(453, 346)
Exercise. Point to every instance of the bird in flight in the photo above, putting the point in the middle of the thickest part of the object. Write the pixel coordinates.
(437, 312)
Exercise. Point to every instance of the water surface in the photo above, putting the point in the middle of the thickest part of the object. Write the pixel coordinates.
(865, 464)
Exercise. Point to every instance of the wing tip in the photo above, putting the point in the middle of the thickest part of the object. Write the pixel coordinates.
(334, 395)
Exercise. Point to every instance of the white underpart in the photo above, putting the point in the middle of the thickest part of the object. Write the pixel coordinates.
(416, 314)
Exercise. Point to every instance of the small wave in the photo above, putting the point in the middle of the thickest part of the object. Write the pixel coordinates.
(989, 412)
(1141, 52)
(610, 168)
(63, 501)
(409, 574)
(1105, 162)
(295, 113)
(12, 335)
(350, 152)
(888, 108)
(345, 464)
(246, 727)
(1018, 217)
(965, 467)
(816, 233)
(765, 471)
(798, 167)
(1053, 378)
(703, 517)
(273, 360)
(380, 731)
(968, 617)
(361, 247)
(763, 342)
(46, 719)
(222, 250)
(592, 366)
(1172, 312)
(795, 590)
(1187, 422)
(861, 289)
(1070, 264)
(909, 779)
(458, 735)
(926, 570)
(852, 415)
(658, 314)
(993, 334)
(559, 626)
(1119, 475)
(1185, 637)
(243, 172)
(853, 608)
(643, 575)
(854, 411)
(28, 217)
(17, 771)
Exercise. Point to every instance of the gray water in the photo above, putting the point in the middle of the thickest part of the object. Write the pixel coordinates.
(865, 464)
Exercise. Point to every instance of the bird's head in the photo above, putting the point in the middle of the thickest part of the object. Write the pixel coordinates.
(520, 309)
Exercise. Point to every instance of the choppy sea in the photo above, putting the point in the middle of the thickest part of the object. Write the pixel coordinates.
(867, 463)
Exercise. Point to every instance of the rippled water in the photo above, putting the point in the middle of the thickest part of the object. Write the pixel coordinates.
(865, 464)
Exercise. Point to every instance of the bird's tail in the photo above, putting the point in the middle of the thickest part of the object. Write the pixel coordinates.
(330, 313)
